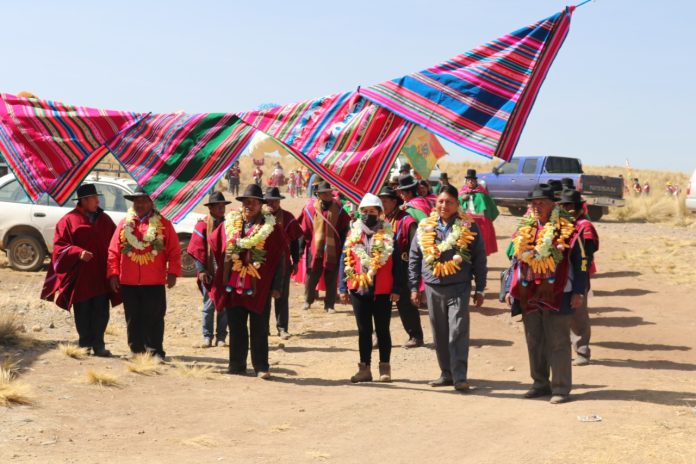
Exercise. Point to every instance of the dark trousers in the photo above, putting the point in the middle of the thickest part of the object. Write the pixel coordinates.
(145, 307)
(282, 305)
(91, 319)
(366, 309)
(330, 279)
(548, 345)
(408, 312)
(240, 336)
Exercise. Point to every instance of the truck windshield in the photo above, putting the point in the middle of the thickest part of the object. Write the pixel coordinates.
(510, 167)
(557, 165)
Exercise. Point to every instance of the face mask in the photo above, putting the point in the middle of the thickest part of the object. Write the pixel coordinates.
(326, 204)
(370, 220)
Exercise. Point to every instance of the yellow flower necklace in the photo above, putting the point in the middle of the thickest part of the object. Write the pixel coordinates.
(142, 251)
(458, 239)
(254, 242)
(382, 249)
(543, 253)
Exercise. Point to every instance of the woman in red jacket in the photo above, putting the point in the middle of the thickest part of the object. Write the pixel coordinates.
(370, 280)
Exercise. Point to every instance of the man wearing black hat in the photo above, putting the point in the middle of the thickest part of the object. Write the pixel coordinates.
(418, 207)
(325, 226)
(405, 169)
(292, 233)
(77, 273)
(144, 256)
(249, 250)
(546, 297)
(204, 261)
(475, 200)
(444, 182)
(588, 240)
(404, 227)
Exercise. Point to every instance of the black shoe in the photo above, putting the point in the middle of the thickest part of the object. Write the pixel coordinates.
(441, 382)
(102, 352)
(537, 392)
(236, 371)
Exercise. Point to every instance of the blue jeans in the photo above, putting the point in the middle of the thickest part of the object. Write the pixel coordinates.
(208, 317)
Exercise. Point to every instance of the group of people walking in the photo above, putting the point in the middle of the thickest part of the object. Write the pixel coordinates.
(398, 247)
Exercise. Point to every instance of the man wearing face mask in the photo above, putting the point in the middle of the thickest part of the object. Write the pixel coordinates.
(324, 226)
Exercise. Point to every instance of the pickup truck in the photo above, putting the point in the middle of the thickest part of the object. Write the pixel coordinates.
(26, 228)
(509, 183)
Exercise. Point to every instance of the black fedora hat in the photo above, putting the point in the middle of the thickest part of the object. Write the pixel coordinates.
(471, 174)
(139, 192)
(216, 197)
(252, 191)
(570, 196)
(323, 187)
(273, 193)
(407, 182)
(86, 190)
(443, 176)
(541, 191)
(568, 183)
(388, 192)
(405, 168)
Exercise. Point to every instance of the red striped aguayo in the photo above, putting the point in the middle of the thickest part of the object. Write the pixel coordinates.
(481, 99)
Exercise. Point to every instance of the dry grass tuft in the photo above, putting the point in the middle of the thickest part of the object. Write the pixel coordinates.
(101, 379)
(195, 371)
(144, 364)
(670, 259)
(201, 442)
(13, 391)
(10, 329)
(73, 351)
(111, 330)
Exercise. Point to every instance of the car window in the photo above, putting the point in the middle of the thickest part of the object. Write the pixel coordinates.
(112, 198)
(556, 165)
(529, 166)
(14, 193)
(509, 167)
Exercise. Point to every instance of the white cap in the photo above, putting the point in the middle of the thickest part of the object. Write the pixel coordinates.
(371, 200)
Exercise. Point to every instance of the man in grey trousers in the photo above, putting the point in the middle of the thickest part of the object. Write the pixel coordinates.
(447, 287)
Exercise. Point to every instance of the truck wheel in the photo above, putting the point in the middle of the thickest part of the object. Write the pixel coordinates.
(188, 268)
(517, 210)
(595, 213)
(26, 253)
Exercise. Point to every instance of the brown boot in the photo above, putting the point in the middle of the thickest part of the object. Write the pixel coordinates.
(364, 374)
(384, 372)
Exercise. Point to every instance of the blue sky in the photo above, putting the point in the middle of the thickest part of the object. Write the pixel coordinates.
(621, 86)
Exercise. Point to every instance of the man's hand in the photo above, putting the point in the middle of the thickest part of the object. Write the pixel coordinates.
(114, 284)
(171, 280)
(395, 297)
(204, 277)
(86, 256)
(275, 294)
(478, 299)
(415, 299)
(508, 299)
(344, 298)
(576, 300)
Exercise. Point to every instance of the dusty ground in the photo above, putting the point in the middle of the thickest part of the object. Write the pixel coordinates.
(642, 382)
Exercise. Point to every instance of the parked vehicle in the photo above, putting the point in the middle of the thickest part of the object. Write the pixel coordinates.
(509, 183)
(27, 229)
(691, 194)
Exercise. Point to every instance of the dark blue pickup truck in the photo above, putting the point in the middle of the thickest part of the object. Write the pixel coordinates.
(509, 183)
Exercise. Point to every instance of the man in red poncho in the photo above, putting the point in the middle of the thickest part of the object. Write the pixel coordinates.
(77, 273)
(292, 232)
(144, 255)
(325, 225)
(204, 261)
(249, 251)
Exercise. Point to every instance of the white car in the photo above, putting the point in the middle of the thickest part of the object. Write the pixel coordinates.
(691, 194)
(27, 229)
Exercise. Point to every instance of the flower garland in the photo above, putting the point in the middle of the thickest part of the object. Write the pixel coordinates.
(543, 253)
(458, 239)
(382, 249)
(253, 243)
(142, 251)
